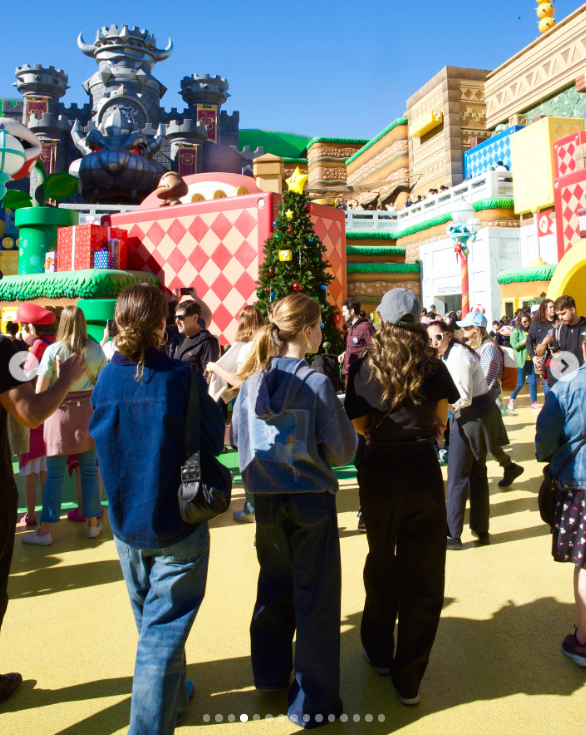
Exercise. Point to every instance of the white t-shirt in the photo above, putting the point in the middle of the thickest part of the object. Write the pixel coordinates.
(467, 374)
(245, 350)
(95, 361)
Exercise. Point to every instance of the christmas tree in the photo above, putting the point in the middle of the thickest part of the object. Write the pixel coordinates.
(295, 262)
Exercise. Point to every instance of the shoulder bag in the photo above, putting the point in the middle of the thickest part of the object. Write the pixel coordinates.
(206, 485)
(548, 490)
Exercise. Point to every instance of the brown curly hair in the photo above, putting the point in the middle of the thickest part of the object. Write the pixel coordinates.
(400, 360)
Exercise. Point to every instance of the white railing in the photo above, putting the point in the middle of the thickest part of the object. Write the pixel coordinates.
(85, 210)
(490, 184)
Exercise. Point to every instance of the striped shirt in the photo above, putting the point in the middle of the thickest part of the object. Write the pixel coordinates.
(491, 362)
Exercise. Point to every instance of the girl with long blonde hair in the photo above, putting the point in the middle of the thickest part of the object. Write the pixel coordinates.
(66, 431)
(290, 427)
(397, 397)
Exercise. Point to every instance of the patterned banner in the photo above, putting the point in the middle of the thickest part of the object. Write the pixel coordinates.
(49, 156)
(209, 115)
(187, 160)
(36, 107)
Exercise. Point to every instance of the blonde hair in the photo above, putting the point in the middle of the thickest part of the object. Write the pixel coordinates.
(249, 322)
(291, 315)
(73, 330)
(140, 310)
(400, 360)
(479, 337)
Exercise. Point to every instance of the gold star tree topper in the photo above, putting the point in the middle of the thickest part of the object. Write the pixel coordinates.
(295, 182)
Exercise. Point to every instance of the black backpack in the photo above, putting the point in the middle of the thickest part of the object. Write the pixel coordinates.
(327, 366)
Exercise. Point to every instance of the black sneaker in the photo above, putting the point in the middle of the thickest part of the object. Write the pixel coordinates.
(455, 544)
(361, 526)
(482, 539)
(511, 473)
(573, 649)
(9, 684)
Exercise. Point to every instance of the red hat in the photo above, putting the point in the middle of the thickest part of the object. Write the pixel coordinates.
(34, 314)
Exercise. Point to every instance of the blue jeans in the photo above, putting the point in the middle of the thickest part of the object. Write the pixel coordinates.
(299, 587)
(90, 488)
(166, 588)
(546, 389)
(527, 371)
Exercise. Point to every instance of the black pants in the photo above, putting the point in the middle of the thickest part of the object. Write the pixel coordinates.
(466, 476)
(403, 507)
(8, 510)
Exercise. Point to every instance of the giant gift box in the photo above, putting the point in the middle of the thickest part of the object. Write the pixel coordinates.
(564, 151)
(569, 198)
(217, 247)
(76, 246)
(533, 161)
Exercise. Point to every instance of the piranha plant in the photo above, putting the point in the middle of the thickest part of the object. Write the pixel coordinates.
(38, 223)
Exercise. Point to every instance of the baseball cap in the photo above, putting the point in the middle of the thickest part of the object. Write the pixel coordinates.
(399, 303)
(473, 319)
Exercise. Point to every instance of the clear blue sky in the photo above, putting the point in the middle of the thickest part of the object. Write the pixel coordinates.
(341, 68)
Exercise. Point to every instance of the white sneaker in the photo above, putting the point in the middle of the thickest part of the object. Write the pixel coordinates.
(379, 670)
(411, 702)
(511, 404)
(94, 531)
(36, 540)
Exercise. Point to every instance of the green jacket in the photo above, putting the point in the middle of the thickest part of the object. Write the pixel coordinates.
(518, 336)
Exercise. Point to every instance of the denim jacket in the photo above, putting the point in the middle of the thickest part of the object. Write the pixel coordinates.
(290, 427)
(561, 426)
(139, 427)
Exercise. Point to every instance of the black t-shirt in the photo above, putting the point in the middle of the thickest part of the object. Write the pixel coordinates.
(408, 423)
(7, 382)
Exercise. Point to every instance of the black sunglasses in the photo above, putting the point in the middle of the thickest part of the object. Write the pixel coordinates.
(181, 317)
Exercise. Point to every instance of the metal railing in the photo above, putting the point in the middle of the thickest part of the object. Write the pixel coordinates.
(490, 184)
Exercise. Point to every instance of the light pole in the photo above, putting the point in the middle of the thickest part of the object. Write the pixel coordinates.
(463, 231)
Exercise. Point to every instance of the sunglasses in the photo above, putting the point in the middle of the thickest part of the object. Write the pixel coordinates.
(437, 337)
(181, 317)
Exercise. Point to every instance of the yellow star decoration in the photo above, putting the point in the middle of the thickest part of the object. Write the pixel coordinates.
(289, 214)
(295, 182)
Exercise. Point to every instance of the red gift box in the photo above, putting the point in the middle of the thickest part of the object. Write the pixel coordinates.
(569, 199)
(76, 246)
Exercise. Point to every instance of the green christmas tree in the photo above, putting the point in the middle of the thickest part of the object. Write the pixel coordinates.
(295, 262)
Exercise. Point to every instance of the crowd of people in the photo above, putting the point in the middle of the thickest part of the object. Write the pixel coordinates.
(412, 382)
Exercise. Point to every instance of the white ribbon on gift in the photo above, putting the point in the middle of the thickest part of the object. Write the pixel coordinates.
(73, 249)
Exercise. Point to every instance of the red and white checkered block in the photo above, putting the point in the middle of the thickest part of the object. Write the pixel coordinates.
(217, 247)
(563, 153)
(569, 198)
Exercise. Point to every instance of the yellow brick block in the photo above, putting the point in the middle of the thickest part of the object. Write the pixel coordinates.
(533, 164)
(9, 263)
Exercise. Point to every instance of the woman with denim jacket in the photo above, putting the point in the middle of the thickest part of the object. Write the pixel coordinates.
(290, 427)
(140, 405)
(561, 427)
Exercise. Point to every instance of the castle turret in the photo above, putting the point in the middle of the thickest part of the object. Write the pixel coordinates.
(42, 88)
(205, 89)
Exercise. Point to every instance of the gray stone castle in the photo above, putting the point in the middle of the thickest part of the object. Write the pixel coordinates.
(121, 142)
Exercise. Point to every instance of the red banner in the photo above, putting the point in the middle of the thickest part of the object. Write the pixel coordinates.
(187, 160)
(209, 115)
(49, 156)
(544, 223)
(36, 107)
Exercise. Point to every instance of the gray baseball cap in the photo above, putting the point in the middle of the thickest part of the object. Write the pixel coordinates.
(399, 303)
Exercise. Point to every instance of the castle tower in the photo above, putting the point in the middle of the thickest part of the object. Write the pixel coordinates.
(42, 87)
(126, 58)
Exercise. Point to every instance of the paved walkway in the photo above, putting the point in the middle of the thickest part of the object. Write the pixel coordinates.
(496, 666)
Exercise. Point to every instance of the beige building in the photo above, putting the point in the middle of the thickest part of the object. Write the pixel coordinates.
(443, 117)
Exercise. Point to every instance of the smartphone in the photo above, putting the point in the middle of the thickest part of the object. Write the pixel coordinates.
(185, 291)
(112, 329)
(550, 332)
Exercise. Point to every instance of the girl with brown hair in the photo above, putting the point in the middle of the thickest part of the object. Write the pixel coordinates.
(66, 431)
(290, 427)
(397, 397)
(140, 408)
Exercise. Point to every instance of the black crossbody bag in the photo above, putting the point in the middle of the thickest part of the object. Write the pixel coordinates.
(548, 489)
(206, 485)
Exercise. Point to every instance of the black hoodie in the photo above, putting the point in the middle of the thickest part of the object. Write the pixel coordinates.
(571, 338)
(199, 350)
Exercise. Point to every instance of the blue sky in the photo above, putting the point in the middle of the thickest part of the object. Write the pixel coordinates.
(341, 68)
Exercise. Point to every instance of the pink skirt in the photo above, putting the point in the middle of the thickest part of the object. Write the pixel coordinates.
(37, 448)
(66, 431)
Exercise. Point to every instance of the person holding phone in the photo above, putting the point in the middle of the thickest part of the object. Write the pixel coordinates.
(180, 295)
(569, 335)
(541, 327)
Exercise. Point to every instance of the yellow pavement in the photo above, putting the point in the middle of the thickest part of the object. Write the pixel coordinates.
(496, 667)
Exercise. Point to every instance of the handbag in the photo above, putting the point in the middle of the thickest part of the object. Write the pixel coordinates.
(510, 374)
(206, 485)
(548, 490)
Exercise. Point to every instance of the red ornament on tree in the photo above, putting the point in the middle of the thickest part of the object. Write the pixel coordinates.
(335, 319)
(289, 229)
(308, 207)
(271, 271)
(267, 289)
(297, 286)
